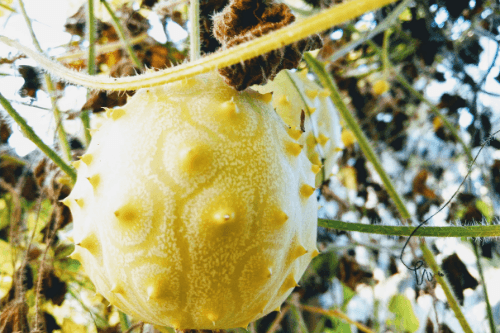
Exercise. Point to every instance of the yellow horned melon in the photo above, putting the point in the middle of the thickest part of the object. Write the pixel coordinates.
(293, 92)
(194, 207)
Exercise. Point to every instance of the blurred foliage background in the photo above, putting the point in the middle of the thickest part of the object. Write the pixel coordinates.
(421, 77)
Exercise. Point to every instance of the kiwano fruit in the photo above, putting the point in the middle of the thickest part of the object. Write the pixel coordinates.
(194, 206)
(294, 92)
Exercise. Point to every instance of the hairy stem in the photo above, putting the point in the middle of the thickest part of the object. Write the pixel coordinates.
(30, 134)
(443, 281)
(277, 39)
(459, 231)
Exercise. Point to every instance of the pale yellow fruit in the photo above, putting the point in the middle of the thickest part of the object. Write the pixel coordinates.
(293, 92)
(194, 207)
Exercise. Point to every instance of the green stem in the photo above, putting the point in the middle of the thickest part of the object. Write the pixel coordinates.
(194, 30)
(30, 134)
(485, 292)
(91, 37)
(429, 259)
(461, 231)
(8, 8)
(124, 322)
(121, 33)
(63, 140)
(385, 56)
(91, 67)
(351, 122)
(251, 49)
(328, 82)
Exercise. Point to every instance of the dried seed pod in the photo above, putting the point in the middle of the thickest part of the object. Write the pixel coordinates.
(194, 207)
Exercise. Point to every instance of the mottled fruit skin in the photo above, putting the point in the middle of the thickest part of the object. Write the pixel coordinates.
(293, 92)
(194, 207)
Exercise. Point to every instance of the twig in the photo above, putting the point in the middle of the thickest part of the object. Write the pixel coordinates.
(121, 33)
(337, 314)
(30, 134)
(63, 140)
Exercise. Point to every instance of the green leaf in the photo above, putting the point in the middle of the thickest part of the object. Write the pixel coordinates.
(485, 209)
(406, 320)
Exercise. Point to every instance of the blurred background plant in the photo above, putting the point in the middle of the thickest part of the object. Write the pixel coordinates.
(422, 80)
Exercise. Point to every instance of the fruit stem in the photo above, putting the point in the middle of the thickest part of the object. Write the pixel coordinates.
(121, 33)
(63, 140)
(91, 37)
(30, 134)
(194, 30)
(274, 40)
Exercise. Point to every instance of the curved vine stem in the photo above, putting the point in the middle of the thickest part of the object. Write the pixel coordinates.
(458, 231)
(277, 39)
(30, 134)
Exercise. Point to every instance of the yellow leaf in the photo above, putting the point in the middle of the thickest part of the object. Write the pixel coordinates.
(347, 176)
(6, 268)
(69, 326)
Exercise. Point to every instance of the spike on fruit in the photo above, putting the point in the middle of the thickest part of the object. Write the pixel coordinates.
(315, 168)
(312, 93)
(267, 98)
(288, 283)
(294, 133)
(228, 108)
(76, 255)
(322, 139)
(297, 252)
(91, 244)
(76, 164)
(67, 202)
(315, 253)
(280, 217)
(314, 158)
(127, 213)
(212, 317)
(311, 110)
(117, 288)
(324, 93)
(306, 191)
(87, 158)
(115, 114)
(158, 288)
(93, 131)
(195, 159)
(283, 99)
(80, 202)
(293, 148)
(278, 309)
(94, 180)
(224, 216)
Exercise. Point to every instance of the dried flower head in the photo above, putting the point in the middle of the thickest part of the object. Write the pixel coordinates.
(244, 20)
